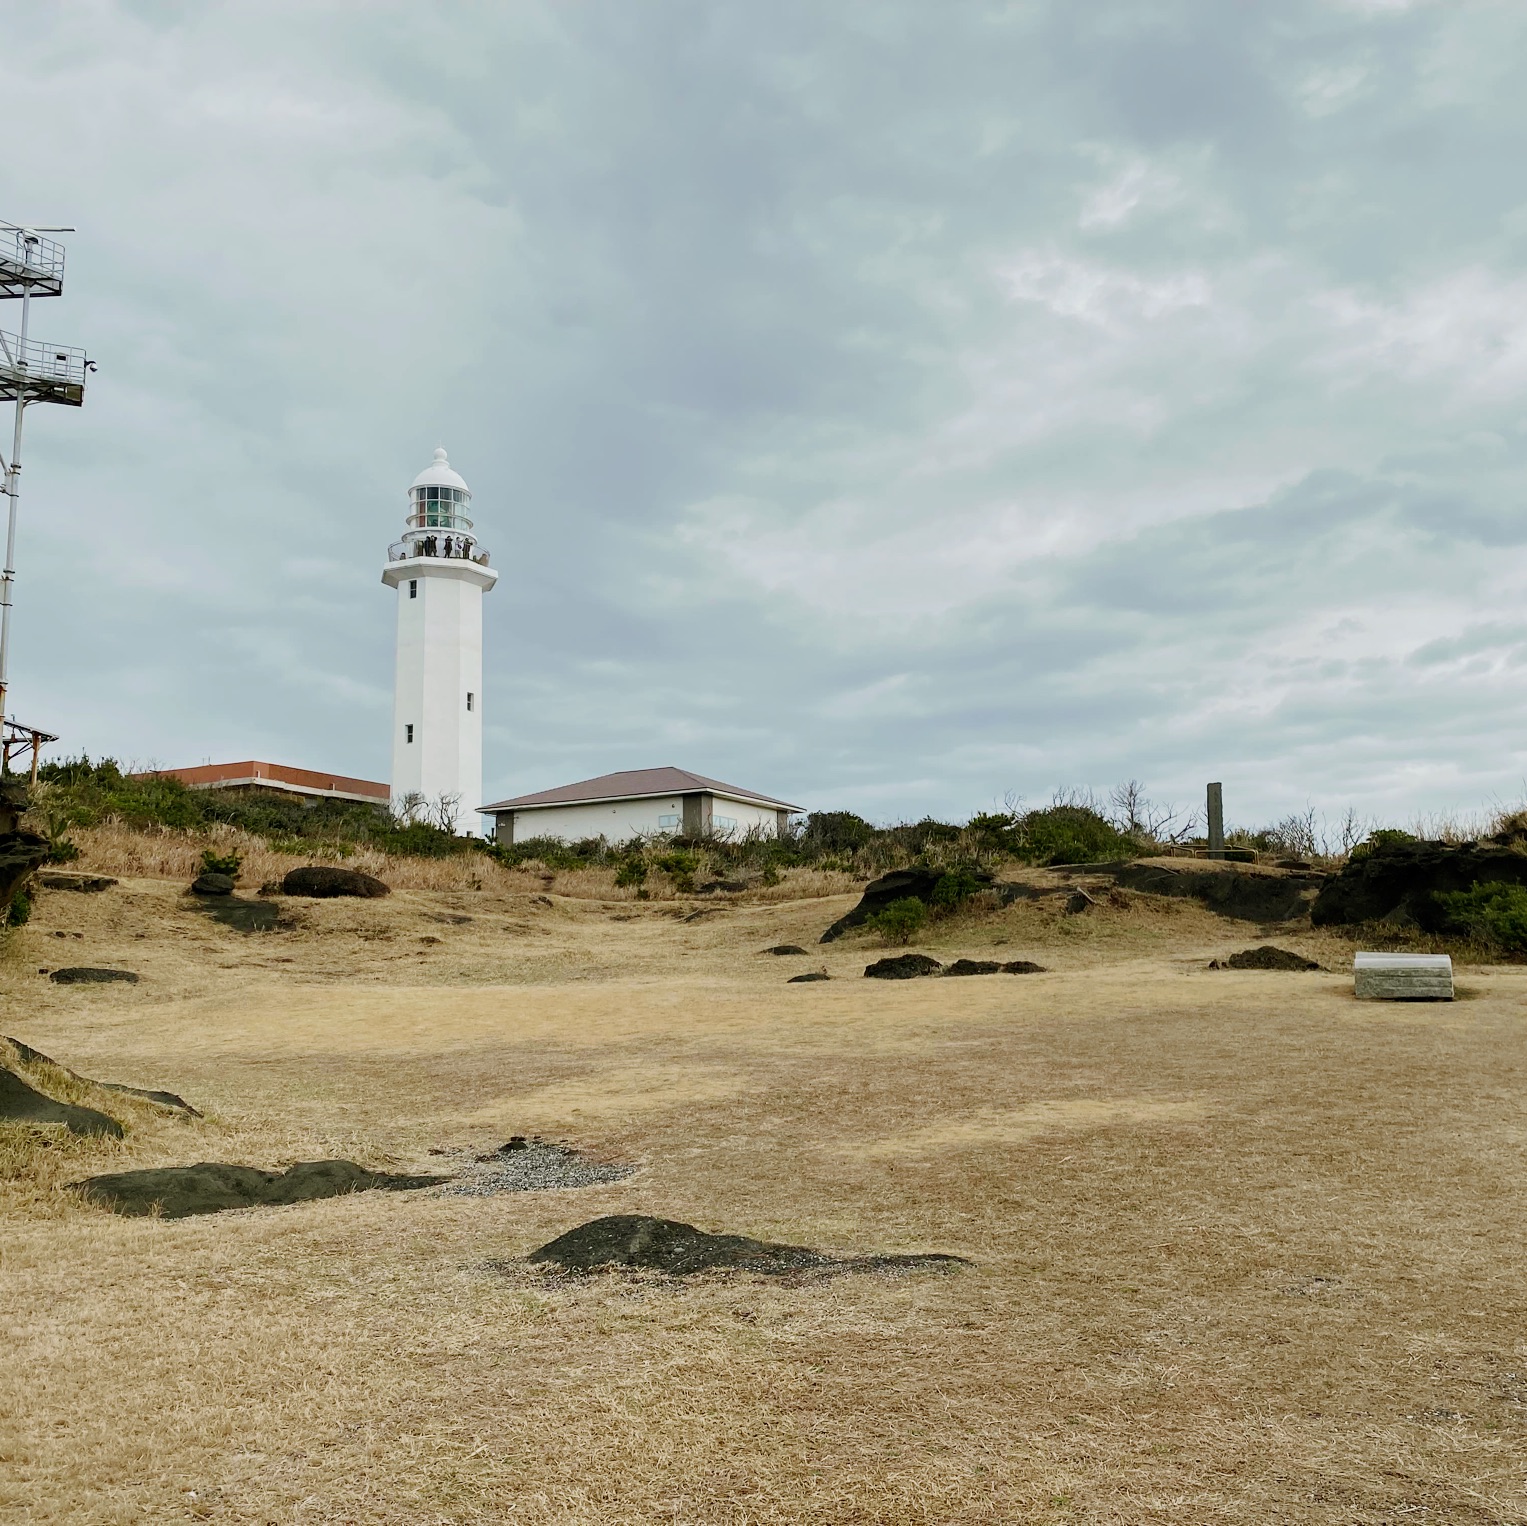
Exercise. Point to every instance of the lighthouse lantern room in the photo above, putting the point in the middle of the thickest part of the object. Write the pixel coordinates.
(440, 572)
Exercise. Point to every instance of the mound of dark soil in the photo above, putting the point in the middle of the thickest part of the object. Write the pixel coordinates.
(212, 884)
(180, 1192)
(1022, 967)
(1404, 879)
(666, 1245)
(903, 967)
(1243, 894)
(785, 948)
(899, 885)
(327, 880)
(21, 1103)
(1265, 958)
(974, 967)
(796, 980)
(86, 975)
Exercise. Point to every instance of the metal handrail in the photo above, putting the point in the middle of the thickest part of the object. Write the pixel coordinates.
(44, 372)
(407, 550)
(27, 260)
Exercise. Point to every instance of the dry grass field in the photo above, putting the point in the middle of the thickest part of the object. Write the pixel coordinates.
(1245, 1250)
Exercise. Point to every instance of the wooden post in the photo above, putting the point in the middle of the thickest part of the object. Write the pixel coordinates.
(1216, 822)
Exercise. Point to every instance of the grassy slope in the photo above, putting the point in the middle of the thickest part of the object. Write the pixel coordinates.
(1247, 1251)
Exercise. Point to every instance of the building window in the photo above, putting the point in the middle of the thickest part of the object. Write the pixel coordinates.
(413, 588)
(668, 823)
(723, 823)
(408, 733)
(469, 701)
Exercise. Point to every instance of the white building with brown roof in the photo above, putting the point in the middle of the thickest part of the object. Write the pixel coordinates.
(641, 802)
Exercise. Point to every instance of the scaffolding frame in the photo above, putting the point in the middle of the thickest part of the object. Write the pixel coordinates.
(30, 372)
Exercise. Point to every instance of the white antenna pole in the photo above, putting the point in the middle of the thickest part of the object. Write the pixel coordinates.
(13, 493)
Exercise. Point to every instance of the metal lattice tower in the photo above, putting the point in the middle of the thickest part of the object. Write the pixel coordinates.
(30, 372)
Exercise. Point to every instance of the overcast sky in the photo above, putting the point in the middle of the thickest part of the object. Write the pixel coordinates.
(890, 406)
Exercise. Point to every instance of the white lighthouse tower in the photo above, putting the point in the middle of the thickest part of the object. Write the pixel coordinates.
(441, 573)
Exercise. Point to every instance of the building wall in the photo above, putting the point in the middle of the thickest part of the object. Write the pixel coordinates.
(439, 662)
(619, 821)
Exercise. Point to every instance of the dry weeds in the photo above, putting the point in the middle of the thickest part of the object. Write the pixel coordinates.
(1247, 1251)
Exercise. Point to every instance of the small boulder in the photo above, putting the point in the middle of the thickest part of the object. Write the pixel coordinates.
(212, 884)
(796, 980)
(1022, 967)
(973, 967)
(324, 881)
(1268, 958)
(785, 948)
(86, 975)
(903, 967)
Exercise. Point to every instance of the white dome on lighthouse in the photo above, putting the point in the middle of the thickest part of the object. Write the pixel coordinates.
(439, 474)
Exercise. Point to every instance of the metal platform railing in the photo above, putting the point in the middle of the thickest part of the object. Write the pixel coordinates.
(42, 373)
(455, 547)
(29, 261)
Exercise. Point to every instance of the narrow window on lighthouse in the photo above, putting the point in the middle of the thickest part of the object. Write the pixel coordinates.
(413, 588)
(408, 733)
(469, 699)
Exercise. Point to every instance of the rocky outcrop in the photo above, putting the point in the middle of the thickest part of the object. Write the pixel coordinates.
(20, 855)
(1248, 895)
(1400, 882)
(212, 883)
(90, 975)
(69, 879)
(1264, 958)
(903, 967)
(21, 1102)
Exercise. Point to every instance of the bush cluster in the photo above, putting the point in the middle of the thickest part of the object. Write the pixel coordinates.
(81, 793)
(1491, 913)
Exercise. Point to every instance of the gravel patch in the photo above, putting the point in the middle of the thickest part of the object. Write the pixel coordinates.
(532, 1165)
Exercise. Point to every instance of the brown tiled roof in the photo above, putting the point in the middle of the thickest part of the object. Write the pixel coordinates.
(306, 781)
(637, 784)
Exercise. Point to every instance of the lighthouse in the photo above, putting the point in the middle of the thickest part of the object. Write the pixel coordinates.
(440, 572)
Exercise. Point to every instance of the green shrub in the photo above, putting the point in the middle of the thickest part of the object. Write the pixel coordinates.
(901, 921)
(1072, 834)
(680, 866)
(1385, 837)
(834, 832)
(221, 863)
(631, 873)
(19, 912)
(1493, 913)
(954, 888)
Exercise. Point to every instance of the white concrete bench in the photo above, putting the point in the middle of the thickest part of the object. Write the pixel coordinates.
(1402, 977)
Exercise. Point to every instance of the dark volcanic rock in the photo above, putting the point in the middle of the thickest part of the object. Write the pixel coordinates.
(179, 1192)
(785, 948)
(974, 967)
(896, 886)
(212, 884)
(1077, 902)
(1268, 958)
(87, 975)
(21, 1103)
(1402, 880)
(326, 880)
(644, 1243)
(796, 980)
(20, 854)
(66, 879)
(1022, 967)
(29, 1056)
(1246, 896)
(242, 913)
(903, 967)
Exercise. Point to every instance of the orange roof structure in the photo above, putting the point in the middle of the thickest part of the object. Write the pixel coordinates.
(275, 776)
